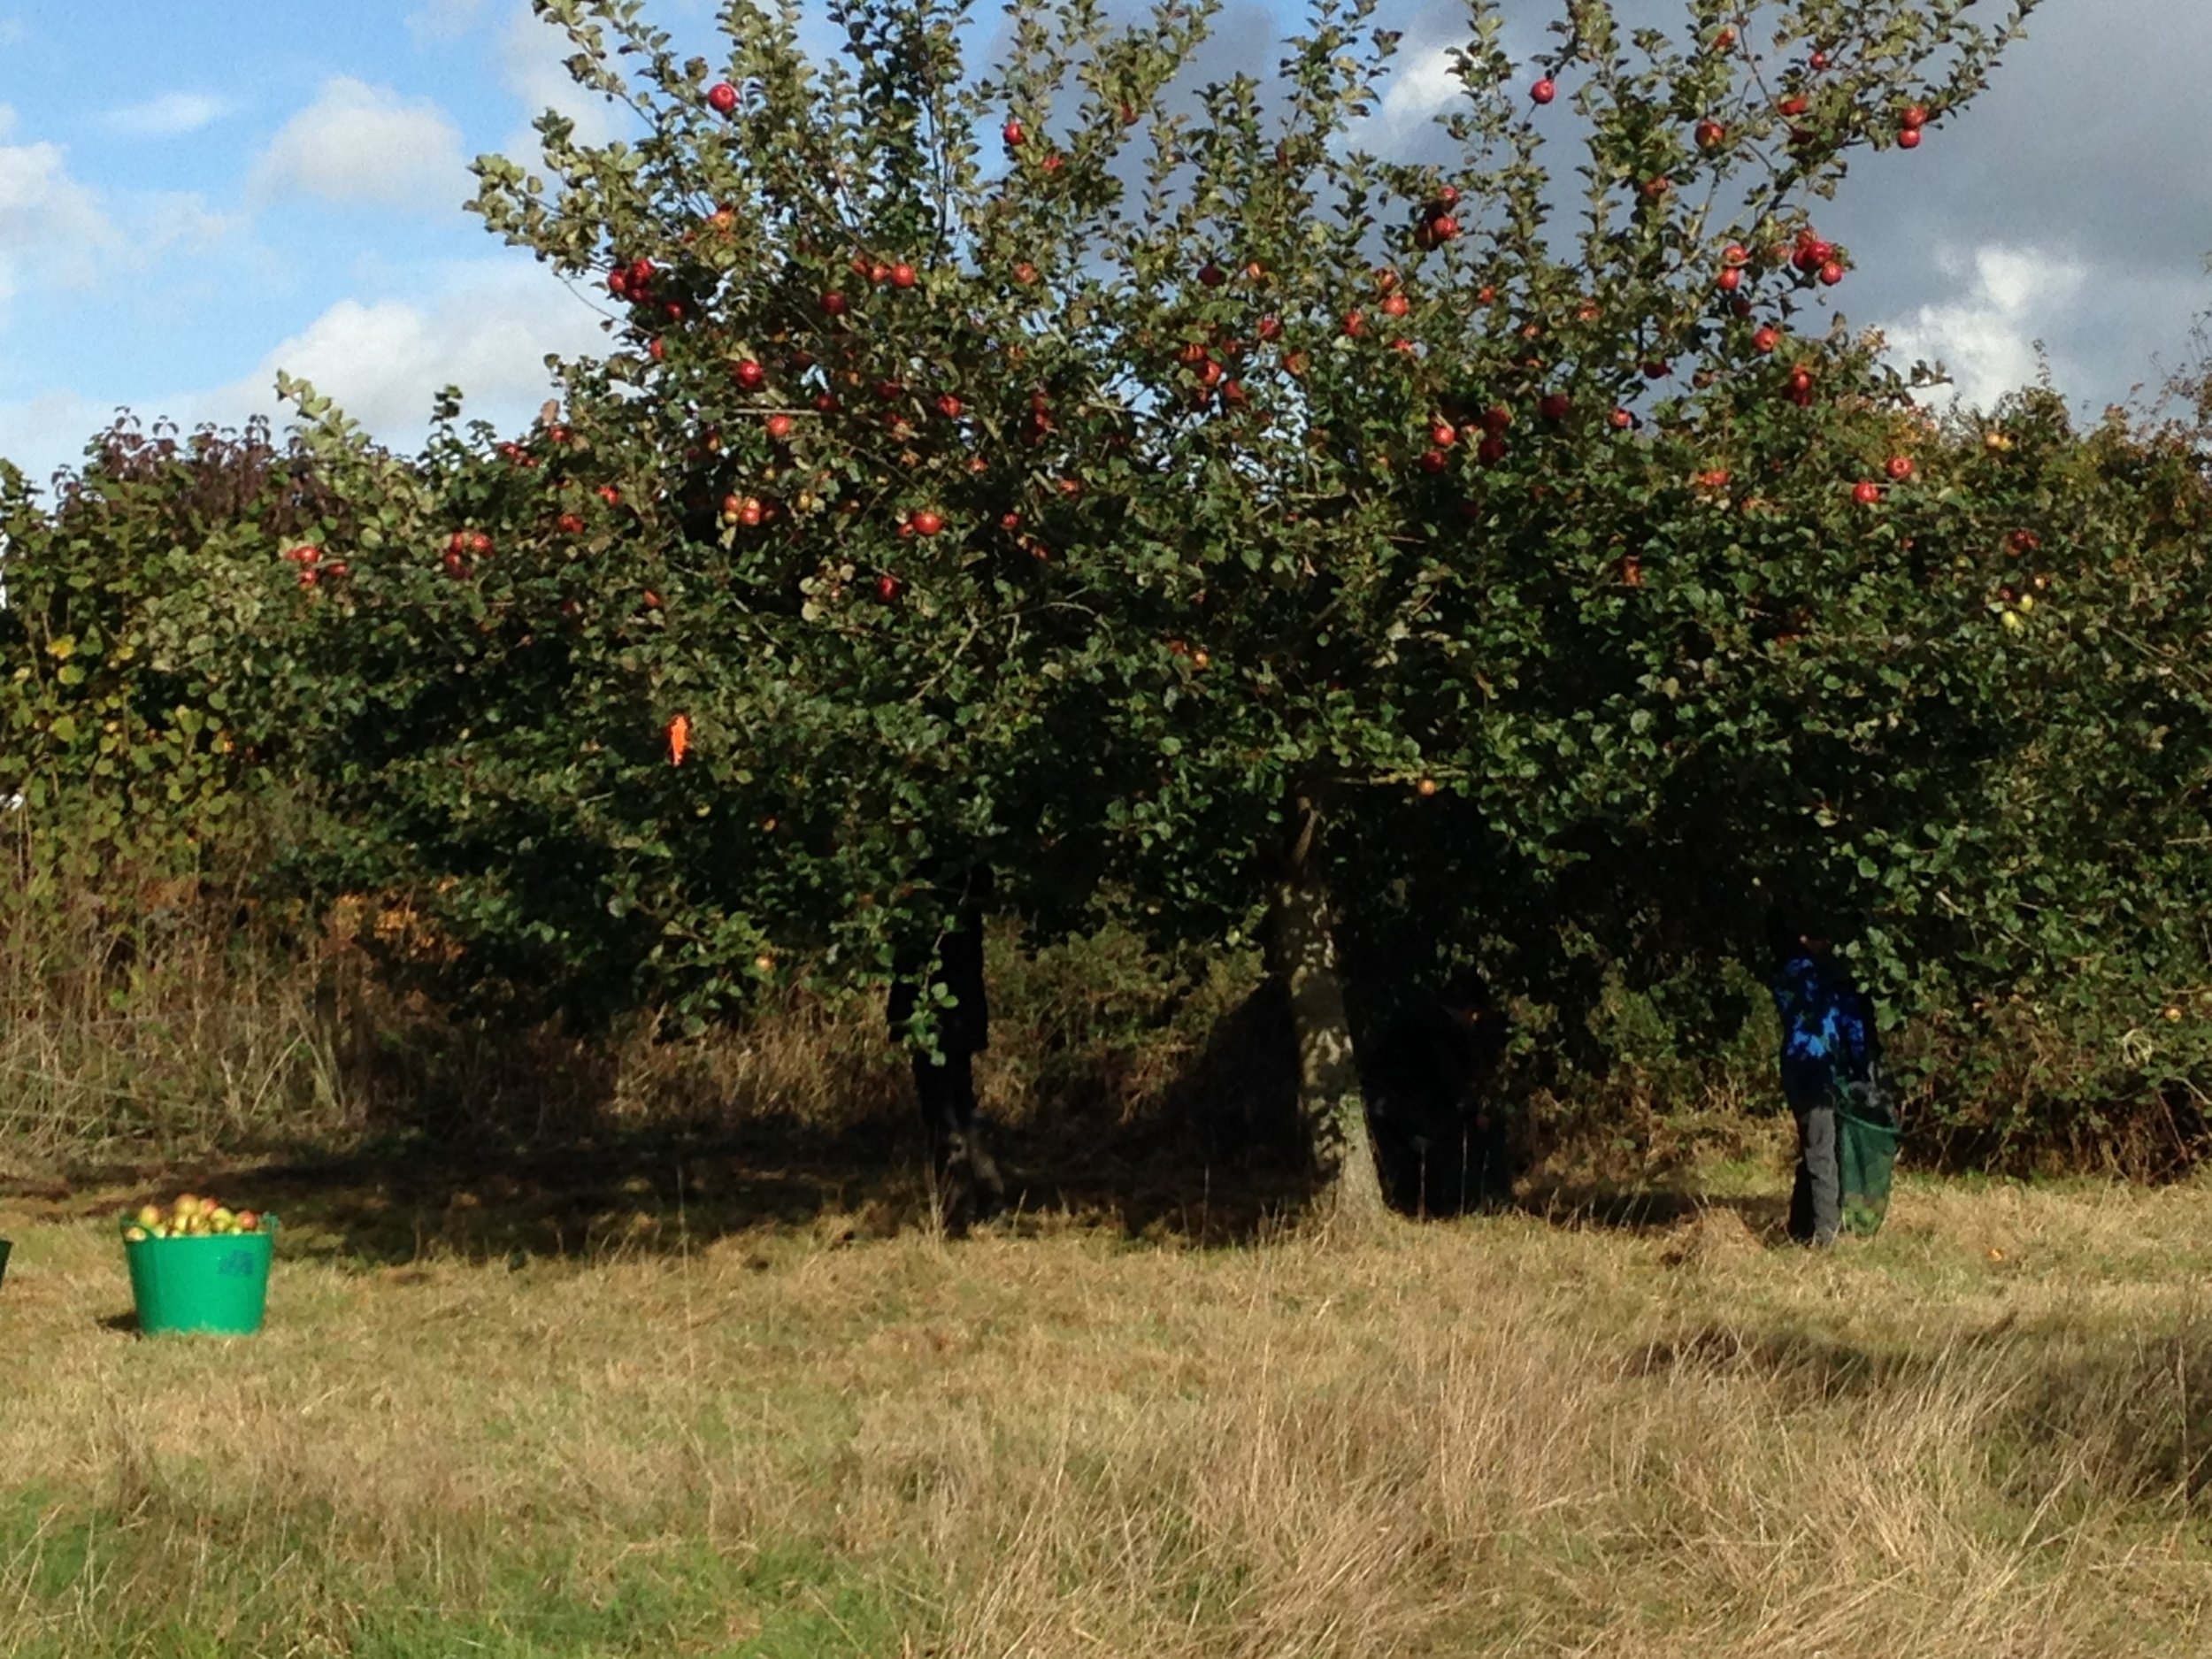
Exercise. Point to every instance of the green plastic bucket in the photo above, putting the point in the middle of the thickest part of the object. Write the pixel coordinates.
(215, 1282)
(1866, 1149)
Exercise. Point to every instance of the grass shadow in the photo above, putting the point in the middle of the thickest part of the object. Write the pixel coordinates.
(1213, 1161)
(1652, 1210)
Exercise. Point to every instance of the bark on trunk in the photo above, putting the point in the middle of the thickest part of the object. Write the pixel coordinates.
(1331, 1104)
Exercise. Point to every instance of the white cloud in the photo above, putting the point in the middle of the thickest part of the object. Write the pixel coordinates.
(43, 433)
(170, 115)
(534, 59)
(487, 333)
(52, 229)
(487, 329)
(361, 143)
(443, 20)
(1423, 86)
(1987, 338)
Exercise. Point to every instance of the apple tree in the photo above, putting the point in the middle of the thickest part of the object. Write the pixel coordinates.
(1142, 485)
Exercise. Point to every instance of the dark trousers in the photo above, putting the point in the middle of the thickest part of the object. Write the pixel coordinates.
(1816, 1199)
(967, 1178)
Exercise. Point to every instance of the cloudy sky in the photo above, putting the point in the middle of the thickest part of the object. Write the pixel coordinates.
(195, 195)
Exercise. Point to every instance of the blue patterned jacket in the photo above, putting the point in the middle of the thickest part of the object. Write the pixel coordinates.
(1825, 1037)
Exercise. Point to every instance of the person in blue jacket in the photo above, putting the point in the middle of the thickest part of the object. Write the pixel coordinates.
(1825, 1044)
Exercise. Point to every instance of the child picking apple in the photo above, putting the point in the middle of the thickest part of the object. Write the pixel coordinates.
(1826, 1047)
(961, 1165)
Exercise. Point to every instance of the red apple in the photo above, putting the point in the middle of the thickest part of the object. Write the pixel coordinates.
(1622, 420)
(1656, 370)
(834, 304)
(1794, 105)
(1544, 91)
(1730, 280)
(750, 376)
(1766, 339)
(1831, 273)
(1434, 460)
(1211, 274)
(1025, 273)
(1396, 306)
(1443, 434)
(1271, 328)
(1491, 451)
(1707, 133)
(1908, 139)
(949, 406)
(927, 523)
(1554, 406)
(1899, 467)
(902, 275)
(1866, 492)
(779, 427)
(1013, 134)
(722, 97)
(1496, 418)
(888, 587)
(1915, 117)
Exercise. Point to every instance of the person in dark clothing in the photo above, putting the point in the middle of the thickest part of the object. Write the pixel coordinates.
(1437, 1147)
(1826, 1043)
(967, 1179)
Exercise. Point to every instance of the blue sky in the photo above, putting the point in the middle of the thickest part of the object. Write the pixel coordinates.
(194, 194)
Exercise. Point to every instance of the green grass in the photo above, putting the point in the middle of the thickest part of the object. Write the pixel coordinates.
(1983, 1433)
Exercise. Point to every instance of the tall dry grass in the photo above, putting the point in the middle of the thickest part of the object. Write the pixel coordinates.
(128, 1022)
(146, 1021)
(1981, 1434)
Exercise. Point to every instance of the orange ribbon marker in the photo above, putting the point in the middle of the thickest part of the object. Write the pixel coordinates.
(678, 738)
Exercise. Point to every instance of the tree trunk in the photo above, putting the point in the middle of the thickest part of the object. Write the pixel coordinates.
(1330, 1105)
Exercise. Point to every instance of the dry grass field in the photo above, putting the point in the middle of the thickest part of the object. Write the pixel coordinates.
(690, 1432)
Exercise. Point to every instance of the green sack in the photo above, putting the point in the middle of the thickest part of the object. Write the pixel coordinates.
(1867, 1133)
